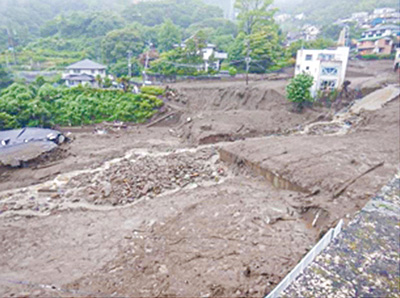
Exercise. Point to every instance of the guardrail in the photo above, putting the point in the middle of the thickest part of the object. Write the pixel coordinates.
(311, 255)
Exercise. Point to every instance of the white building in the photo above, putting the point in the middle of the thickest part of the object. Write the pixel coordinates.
(212, 58)
(84, 72)
(310, 32)
(396, 65)
(300, 16)
(281, 18)
(382, 12)
(360, 15)
(328, 67)
(381, 31)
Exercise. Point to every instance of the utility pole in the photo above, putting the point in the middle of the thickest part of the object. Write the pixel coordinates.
(7, 62)
(146, 64)
(11, 45)
(248, 61)
(130, 63)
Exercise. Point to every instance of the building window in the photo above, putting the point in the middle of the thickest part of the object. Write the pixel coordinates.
(329, 71)
(92, 70)
(327, 85)
(308, 68)
(77, 70)
(308, 57)
(326, 57)
(387, 42)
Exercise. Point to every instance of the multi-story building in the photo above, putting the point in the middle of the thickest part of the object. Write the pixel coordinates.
(378, 40)
(375, 45)
(328, 67)
(384, 12)
(84, 72)
(381, 31)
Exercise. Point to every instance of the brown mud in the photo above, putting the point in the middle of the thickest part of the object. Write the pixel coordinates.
(222, 195)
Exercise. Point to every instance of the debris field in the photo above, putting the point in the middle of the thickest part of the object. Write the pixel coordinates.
(220, 196)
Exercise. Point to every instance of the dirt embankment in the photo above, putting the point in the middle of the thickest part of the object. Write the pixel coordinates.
(368, 76)
(331, 170)
(227, 112)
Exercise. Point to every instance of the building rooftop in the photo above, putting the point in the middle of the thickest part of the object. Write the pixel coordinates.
(79, 77)
(86, 64)
(384, 27)
(374, 38)
(363, 260)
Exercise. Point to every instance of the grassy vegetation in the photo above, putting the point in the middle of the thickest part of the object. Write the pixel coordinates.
(46, 106)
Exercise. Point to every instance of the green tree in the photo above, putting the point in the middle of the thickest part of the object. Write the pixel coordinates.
(117, 43)
(168, 35)
(120, 68)
(107, 82)
(182, 12)
(99, 81)
(259, 37)
(5, 77)
(318, 44)
(298, 90)
(39, 81)
(254, 14)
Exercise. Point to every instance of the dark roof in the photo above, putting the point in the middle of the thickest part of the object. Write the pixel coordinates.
(374, 38)
(79, 77)
(384, 27)
(86, 64)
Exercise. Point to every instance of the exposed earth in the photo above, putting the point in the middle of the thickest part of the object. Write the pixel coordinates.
(221, 195)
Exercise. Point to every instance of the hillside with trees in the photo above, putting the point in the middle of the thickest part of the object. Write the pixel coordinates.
(21, 20)
(324, 12)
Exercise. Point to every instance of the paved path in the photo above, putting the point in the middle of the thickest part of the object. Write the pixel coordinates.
(376, 100)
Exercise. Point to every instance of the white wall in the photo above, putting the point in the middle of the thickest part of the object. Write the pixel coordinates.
(91, 72)
(309, 61)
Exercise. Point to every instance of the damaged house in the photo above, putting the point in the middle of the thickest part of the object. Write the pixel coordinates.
(328, 67)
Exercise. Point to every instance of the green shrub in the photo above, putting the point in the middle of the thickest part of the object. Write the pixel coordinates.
(22, 106)
(152, 90)
(232, 71)
(377, 57)
(298, 90)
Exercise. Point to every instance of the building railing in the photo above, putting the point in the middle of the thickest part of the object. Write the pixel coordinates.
(306, 261)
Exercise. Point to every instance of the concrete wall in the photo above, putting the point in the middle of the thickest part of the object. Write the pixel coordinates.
(311, 62)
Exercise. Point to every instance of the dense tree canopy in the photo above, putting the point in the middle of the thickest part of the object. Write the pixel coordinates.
(168, 35)
(259, 36)
(5, 77)
(182, 13)
(82, 24)
(45, 106)
(117, 43)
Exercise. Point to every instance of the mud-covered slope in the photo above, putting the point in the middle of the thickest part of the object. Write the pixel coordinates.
(230, 111)
(340, 172)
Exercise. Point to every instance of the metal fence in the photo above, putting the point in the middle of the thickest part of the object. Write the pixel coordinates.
(311, 255)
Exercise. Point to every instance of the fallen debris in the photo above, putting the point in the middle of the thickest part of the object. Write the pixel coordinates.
(23, 145)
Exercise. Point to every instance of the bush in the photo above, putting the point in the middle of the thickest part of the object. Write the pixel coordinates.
(22, 106)
(152, 90)
(298, 90)
(376, 57)
(232, 71)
